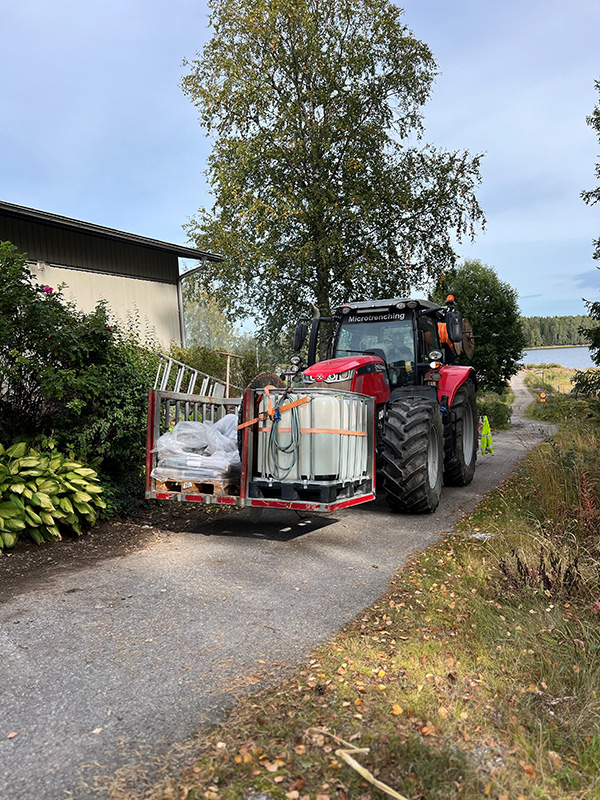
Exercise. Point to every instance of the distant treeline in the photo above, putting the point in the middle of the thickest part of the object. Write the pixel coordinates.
(548, 331)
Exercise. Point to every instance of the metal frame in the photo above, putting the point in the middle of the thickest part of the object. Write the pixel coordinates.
(189, 407)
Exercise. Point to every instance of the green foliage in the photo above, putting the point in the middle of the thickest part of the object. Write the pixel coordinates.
(589, 382)
(592, 196)
(125, 496)
(498, 412)
(320, 195)
(560, 407)
(552, 331)
(491, 307)
(79, 377)
(44, 494)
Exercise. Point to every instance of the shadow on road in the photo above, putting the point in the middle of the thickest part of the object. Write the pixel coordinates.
(271, 524)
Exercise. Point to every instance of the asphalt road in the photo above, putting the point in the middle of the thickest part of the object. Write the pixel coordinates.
(114, 665)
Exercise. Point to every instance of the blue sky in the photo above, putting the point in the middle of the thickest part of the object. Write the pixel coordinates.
(93, 124)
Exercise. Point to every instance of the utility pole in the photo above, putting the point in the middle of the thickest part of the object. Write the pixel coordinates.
(228, 373)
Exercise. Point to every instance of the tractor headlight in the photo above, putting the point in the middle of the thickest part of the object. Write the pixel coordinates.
(340, 376)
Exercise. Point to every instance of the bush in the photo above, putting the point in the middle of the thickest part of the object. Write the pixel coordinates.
(77, 377)
(43, 494)
(490, 405)
(561, 407)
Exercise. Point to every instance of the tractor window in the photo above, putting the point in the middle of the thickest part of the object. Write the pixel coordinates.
(387, 335)
(428, 335)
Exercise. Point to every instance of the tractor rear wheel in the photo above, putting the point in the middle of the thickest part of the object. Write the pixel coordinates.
(460, 438)
(413, 455)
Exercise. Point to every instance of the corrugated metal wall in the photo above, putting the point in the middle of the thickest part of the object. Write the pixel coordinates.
(43, 242)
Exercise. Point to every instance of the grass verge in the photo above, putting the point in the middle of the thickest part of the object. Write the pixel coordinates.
(475, 676)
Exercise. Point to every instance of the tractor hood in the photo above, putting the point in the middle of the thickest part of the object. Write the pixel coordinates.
(335, 366)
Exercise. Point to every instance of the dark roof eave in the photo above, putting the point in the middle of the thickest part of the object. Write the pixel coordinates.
(98, 230)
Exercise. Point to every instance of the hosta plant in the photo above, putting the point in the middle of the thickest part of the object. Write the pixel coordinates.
(43, 494)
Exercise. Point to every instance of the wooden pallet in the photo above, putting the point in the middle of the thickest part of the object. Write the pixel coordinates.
(229, 488)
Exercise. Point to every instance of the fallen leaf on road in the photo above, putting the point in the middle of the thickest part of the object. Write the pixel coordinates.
(97, 730)
(12, 734)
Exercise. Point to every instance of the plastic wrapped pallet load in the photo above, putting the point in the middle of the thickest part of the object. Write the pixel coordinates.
(198, 451)
(323, 440)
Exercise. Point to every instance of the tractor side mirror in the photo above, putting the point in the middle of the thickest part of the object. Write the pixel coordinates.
(300, 335)
(454, 325)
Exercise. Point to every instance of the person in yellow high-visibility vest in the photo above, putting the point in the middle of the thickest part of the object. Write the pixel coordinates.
(486, 437)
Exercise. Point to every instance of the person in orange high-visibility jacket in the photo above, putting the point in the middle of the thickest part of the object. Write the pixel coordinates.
(450, 355)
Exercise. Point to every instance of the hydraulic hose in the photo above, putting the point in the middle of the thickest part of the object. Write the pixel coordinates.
(275, 450)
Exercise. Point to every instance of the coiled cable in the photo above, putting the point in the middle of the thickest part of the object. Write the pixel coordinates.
(275, 450)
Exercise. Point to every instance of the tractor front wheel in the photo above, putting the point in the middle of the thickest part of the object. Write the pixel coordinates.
(412, 452)
(461, 438)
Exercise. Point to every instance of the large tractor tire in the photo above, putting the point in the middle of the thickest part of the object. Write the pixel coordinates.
(412, 452)
(460, 438)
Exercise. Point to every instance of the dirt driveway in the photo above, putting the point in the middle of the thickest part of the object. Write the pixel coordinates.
(120, 645)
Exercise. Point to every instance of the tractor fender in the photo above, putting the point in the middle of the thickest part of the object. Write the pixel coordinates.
(453, 377)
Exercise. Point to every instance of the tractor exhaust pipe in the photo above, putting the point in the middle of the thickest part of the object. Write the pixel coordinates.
(314, 335)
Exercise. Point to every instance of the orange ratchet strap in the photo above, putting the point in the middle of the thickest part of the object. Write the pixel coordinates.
(317, 430)
(271, 411)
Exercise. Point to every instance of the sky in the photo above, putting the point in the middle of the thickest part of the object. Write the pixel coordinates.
(94, 125)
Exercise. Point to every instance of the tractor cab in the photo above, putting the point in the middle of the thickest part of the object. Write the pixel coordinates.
(383, 347)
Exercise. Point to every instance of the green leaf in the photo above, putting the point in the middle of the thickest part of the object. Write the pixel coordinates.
(83, 508)
(44, 501)
(16, 501)
(35, 518)
(86, 472)
(49, 486)
(51, 534)
(9, 538)
(17, 450)
(82, 497)
(14, 524)
(35, 535)
(9, 511)
(31, 461)
(18, 488)
(65, 504)
(70, 465)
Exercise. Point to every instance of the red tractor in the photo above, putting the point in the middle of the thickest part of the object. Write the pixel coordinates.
(401, 352)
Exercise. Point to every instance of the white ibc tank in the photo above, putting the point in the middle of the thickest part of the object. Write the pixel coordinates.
(324, 439)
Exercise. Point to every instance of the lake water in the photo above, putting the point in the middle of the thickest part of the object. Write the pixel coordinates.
(574, 357)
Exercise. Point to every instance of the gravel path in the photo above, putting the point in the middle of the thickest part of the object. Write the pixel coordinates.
(112, 664)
